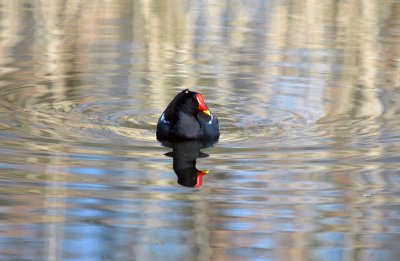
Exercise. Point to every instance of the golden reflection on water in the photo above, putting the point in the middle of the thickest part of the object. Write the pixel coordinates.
(307, 93)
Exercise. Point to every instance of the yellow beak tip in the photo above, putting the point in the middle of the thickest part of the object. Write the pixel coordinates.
(207, 112)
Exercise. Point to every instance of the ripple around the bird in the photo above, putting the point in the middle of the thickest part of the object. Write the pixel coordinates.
(128, 120)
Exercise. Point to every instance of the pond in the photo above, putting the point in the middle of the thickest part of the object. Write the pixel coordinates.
(307, 166)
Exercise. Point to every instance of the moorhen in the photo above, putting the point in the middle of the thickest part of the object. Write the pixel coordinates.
(187, 117)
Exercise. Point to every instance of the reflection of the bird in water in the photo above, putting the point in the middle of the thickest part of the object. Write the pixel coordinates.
(184, 156)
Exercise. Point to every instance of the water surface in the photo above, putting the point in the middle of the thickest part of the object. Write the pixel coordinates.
(308, 98)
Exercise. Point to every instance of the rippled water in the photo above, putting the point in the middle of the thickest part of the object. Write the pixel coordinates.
(308, 98)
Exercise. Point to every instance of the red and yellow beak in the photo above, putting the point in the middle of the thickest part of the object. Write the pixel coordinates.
(202, 105)
(199, 178)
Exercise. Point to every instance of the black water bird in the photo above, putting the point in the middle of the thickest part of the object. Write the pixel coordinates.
(187, 117)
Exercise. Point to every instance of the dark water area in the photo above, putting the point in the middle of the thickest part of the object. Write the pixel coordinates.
(308, 98)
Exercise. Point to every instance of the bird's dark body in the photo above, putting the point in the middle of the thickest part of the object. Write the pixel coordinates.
(182, 120)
